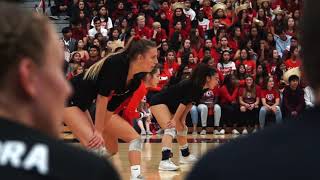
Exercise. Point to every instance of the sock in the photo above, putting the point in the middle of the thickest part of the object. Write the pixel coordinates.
(166, 153)
(135, 171)
(185, 150)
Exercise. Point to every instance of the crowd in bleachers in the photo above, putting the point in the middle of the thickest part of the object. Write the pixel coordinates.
(254, 44)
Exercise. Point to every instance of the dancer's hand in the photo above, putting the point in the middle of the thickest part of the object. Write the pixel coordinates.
(96, 141)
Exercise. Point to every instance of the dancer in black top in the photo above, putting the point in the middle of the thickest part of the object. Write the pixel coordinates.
(110, 82)
(171, 106)
(33, 92)
(286, 151)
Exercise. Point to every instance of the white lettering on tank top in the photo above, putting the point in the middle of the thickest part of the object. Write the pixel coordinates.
(15, 154)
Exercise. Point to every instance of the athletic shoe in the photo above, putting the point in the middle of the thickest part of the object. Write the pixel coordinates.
(245, 131)
(236, 132)
(216, 132)
(187, 160)
(203, 132)
(167, 165)
(194, 133)
(140, 177)
(222, 132)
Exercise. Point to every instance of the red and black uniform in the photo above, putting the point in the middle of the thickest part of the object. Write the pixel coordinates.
(110, 82)
(185, 92)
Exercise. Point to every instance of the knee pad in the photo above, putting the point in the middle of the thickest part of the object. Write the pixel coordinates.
(135, 145)
(171, 132)
(183, 133)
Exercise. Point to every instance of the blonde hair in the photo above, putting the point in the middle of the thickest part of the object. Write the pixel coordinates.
(134, 47)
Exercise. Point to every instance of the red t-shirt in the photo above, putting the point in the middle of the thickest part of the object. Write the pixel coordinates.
(292, 64)
(226, 97)
(143, 32)
(250, 66)
(270, 96)
(249, 97)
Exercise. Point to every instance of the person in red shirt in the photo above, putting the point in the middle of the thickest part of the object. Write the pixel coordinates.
(189, 66)
(208, 45)
(141, 28)
(294, 61)
(270, 98)
(228, 94)
(178, 15)
(219, 12)
(249, 99)
(157, 33)
(178, 28)
(185, 49)
(170, 67)
(249, 64)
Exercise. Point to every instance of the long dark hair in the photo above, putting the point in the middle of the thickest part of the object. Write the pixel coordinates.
(200, 73)
(228, 83)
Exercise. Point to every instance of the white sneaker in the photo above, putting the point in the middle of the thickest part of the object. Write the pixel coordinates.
(187, 160)
(140, 177)
(216, 132)
(255, 130)
(234, 131)
(222, 132)
(245, 131)
(167, 165)
(194, 133)
(203, 132)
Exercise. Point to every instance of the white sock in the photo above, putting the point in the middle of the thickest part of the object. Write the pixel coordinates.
(135, 170)
(184, 146)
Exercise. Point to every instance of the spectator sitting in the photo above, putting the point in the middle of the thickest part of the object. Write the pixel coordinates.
(293, 95)
(97, 29)
(249, 99)
(228, 101)
(68, 40)
(94, 53)
(282, 41)
(270, 99)
(294, 61)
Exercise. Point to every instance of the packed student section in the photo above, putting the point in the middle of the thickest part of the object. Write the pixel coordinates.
(254, 44)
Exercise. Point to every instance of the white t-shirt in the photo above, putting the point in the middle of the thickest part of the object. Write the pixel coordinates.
(106, 25)
(92, 32)
(205, 24)
(226, 69)
(190, 13)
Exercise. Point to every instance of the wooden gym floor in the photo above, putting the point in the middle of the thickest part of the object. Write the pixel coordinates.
(151, 154)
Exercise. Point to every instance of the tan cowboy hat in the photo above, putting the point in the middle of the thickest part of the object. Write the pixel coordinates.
(242, 7)
(294, 71)
(218, 6)
(278, 10)
(261, 1)
(177, 5)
